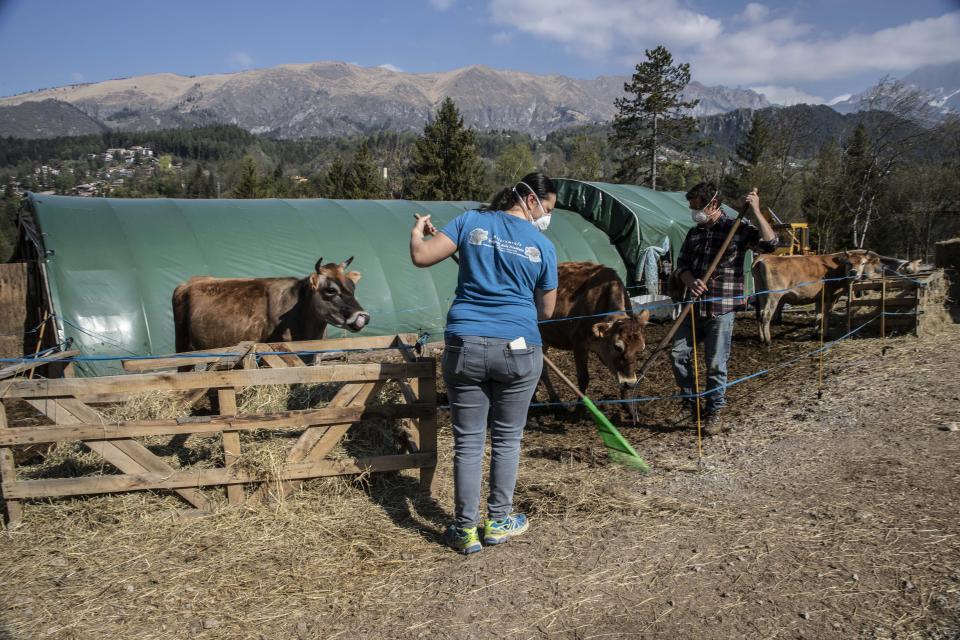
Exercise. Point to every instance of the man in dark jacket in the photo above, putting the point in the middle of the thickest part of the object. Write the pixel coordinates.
(720, 297)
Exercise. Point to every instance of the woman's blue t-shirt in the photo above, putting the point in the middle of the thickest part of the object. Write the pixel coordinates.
(502, 260)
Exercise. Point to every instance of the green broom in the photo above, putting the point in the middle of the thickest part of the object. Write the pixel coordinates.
(617, 446)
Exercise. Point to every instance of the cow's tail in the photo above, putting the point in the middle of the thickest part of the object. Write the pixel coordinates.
(181, 318)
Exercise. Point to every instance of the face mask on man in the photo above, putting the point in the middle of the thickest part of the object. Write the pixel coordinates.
(700, 216)
(543, 221)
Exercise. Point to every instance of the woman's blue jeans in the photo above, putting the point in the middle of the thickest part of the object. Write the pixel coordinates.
(487, 382)
(713, 336)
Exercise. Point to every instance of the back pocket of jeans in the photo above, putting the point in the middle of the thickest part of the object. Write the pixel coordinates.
(520, 362)
(454, 357)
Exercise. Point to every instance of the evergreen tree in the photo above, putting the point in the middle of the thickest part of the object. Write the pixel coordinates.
(652, 115)
(335, 182)
(197, 184)
(363, 179)
(249, 184)
(446, 165)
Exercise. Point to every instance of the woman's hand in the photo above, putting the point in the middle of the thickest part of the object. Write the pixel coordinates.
(424, 252)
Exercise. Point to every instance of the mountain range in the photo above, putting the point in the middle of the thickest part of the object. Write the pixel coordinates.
(336, 99)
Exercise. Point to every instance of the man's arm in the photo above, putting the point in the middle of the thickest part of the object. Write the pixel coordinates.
(684, 264)
(768, 237)
(546, 303)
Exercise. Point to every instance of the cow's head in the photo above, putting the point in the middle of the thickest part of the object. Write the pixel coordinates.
(862, 264)
(618, 343)
(333, 295)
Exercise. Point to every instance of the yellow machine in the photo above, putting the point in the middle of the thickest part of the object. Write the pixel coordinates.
(794, 239)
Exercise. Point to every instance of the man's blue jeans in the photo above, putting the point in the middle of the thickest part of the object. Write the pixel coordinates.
(713, 338)
(487, 381)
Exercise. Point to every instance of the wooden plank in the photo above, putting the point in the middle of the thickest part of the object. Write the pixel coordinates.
(333, 344)
(892, 285)
(224, 363)
(13, 509)
(140, 383)
(305, 448)
(127, 455)
(890, 302)
(197, 358)
(292, 360)
(22, 367)
(227, 401)
(208, 424)
(428, 428)
(58, 487)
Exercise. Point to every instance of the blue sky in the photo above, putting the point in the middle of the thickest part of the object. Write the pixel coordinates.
(809, 48)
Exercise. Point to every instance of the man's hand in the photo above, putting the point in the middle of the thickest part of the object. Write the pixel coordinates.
(752, 200)
(695, 286)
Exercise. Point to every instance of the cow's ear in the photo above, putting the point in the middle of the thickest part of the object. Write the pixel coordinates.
(346, 263)
(353, 275)
(319, 265)
(315, 281)
(600, 329)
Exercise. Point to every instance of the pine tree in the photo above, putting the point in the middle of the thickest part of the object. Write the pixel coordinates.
(335, 182)
(446, 164)
(249, 185)
(652, 115)
(363, 179)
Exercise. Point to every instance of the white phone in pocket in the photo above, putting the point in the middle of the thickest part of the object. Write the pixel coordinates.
(518, 345)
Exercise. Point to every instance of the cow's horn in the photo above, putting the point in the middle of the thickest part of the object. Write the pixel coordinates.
(319, 264)
(346, 263)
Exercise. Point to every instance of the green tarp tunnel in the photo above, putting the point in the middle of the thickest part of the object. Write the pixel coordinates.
(637, 220)
(111, 265)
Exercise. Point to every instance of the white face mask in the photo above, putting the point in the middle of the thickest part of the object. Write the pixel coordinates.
(700, 216)
(543, 221)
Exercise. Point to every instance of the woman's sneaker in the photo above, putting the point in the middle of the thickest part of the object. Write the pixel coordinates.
(499, 531)
(462, 539)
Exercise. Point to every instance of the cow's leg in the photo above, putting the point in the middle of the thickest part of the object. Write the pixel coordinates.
(552, 395)
(766, 316)
(581, 356)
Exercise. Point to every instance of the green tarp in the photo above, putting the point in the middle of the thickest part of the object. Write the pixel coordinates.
(636, 219)
(113, 264)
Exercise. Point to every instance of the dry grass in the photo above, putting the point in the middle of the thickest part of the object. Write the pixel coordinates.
(843, 511)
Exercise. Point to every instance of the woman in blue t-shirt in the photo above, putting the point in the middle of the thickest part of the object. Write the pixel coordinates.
(493, 355)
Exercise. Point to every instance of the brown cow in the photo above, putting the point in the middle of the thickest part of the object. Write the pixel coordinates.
(592, 290)
(801, 276)
(221, 312)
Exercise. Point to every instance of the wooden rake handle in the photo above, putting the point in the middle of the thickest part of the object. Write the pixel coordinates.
(567, 381)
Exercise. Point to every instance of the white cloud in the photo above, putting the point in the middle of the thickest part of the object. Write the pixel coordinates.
(441, 5)
(501, 37)
(391, 67)
(783, 50)
(755, 47)
(840, 98)
(76, 76)
(755, 12)
(240, 60)
(600, 27)
(787, 95)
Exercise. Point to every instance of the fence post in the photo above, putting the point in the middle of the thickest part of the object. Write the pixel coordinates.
(849, 305)
(8, 473)
(883, 304)
(227, 400)
(428, 426)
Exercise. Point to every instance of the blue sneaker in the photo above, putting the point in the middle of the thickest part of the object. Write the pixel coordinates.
(499, 531)
(462, 539)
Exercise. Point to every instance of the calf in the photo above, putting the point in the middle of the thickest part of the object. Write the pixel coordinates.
(595, 297)
(799, 280)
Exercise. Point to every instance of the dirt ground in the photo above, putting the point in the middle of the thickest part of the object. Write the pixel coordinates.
(836, 517)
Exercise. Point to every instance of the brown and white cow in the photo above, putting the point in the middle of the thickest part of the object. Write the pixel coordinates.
(588, 291)
(221, 312)
(798, 280)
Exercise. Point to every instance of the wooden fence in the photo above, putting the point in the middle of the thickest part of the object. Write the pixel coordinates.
(67, 402)
(899, 301)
